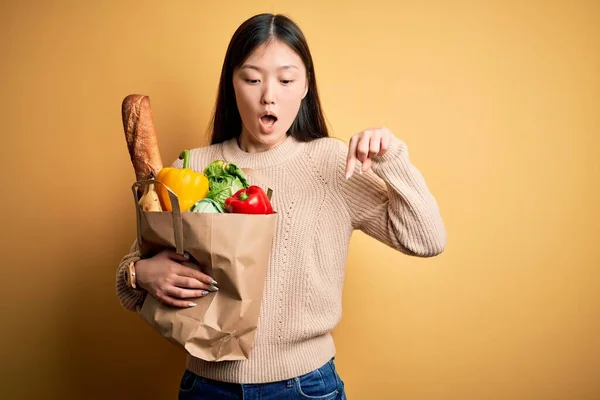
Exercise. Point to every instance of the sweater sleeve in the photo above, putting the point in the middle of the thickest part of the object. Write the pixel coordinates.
(392, 203)
(130, 299)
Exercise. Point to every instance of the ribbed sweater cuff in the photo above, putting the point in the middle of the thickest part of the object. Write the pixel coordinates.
(130, 298)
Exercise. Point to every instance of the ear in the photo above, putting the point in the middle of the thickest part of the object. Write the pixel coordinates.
(305, 90)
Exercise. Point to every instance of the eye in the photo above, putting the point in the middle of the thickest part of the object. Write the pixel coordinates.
(252, 81)
(286, 81)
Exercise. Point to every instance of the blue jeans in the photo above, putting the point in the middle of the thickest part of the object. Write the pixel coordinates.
(321, 384)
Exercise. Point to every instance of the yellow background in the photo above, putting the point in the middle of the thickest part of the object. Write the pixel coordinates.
(498, 101)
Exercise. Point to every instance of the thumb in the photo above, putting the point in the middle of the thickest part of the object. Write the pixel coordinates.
(173, 255)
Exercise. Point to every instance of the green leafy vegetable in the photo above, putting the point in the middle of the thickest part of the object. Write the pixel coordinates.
(225, 179)
(207, 206)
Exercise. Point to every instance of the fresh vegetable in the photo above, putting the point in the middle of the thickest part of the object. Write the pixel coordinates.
(249, 201)
(149, 200)
(189, 186)
(225, 180)
(207, 206)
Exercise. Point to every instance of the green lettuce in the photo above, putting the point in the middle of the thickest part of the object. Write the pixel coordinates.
(225, 179)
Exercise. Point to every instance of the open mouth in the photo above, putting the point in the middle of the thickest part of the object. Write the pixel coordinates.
(268, 120)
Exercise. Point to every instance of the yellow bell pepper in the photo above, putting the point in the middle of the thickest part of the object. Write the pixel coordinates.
(189, 186)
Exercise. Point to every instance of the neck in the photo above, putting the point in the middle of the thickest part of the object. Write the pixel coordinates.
(236, 150)
(249, 145)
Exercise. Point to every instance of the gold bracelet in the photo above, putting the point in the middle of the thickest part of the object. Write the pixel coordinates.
(130, 275)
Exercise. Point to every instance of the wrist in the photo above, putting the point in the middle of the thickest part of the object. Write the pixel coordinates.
(139, 265)
(131, 275)
(396, 149)
(394, 159)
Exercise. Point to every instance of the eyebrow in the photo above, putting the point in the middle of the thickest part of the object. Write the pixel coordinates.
(250, 66)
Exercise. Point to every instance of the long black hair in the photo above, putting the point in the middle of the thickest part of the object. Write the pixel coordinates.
(259, 29)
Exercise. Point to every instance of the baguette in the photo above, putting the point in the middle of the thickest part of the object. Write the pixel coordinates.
(140, 134)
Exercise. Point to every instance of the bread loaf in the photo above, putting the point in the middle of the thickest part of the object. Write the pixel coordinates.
(140, 134)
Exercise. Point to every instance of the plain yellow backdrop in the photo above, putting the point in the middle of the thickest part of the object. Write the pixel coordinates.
(498, 102)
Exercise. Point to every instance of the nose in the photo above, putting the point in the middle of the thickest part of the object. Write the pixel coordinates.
(268, 94)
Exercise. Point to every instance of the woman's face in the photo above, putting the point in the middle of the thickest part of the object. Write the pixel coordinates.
(269, 88)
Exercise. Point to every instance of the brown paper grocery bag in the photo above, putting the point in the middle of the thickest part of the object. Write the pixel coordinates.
(234, 249)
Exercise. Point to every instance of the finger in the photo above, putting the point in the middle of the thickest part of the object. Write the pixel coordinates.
(362, 149)
(176, 302)
(375, 144)
(173, 255)
(366, 165)
(192, 283)
(351, 159)
(385, 144)
(194, 273)
(182, 293)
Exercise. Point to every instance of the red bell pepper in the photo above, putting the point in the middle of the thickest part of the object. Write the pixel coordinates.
(249, 201)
